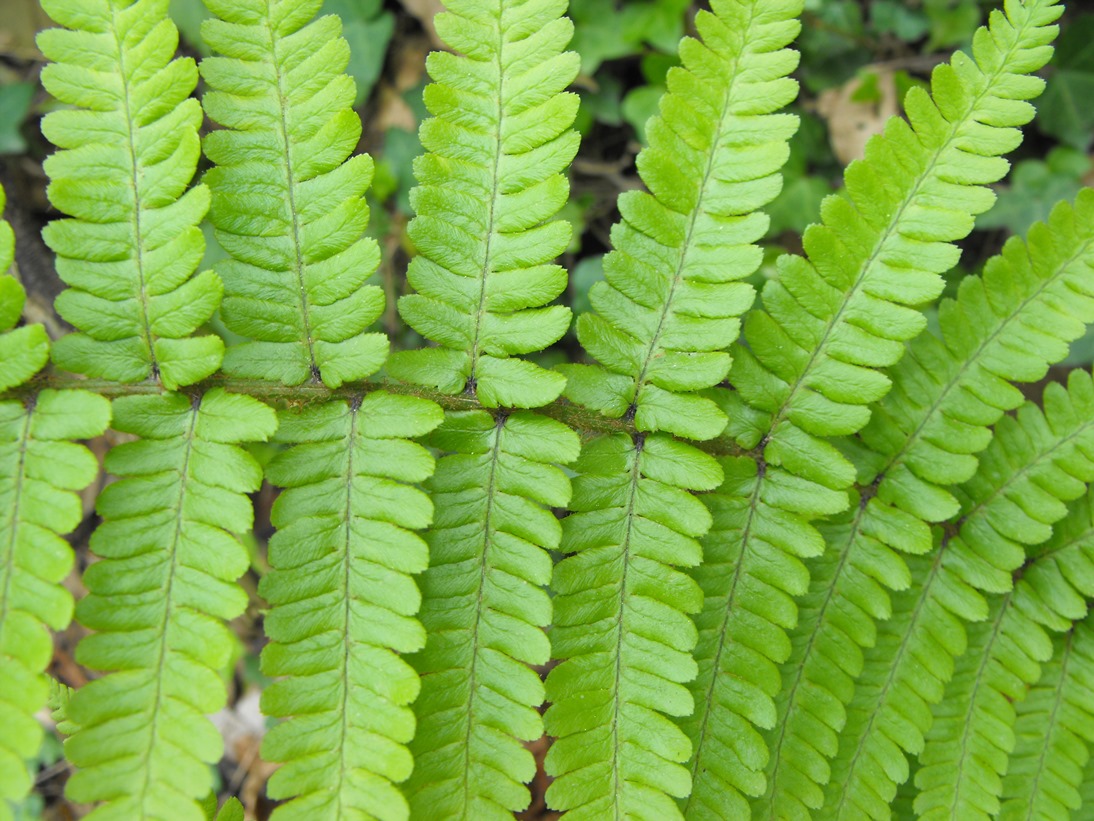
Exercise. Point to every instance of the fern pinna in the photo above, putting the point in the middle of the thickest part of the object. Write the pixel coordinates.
(836, 568)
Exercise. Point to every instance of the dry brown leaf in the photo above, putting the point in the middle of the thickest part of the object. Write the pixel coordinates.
(850, 123)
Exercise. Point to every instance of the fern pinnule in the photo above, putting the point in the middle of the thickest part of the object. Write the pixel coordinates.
(129, 149)
(1036, 462)
(158, 601)
(674, 289)
(1055, 733)
(808, 367)
(489, 185)
(924, 436)
(343, 605)
(288, 205)
(23, 351)
(41, 470)
(622, 630)
(484, 607)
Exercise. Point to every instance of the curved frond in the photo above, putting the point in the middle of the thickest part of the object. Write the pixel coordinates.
(1009, 324)
(1037, 461)
(158, 601)
(1055, 733)
(673, 295)
(41, 470)
(129, 148)
(288, 205)
(809, 368)
(343, 605)
(498, 145)
(484, 608)
(622, 630)
(23, 351)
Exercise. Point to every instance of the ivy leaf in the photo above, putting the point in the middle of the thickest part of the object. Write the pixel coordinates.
(14, 105)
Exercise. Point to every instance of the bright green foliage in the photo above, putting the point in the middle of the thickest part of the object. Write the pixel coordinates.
(809, 368)
(343, 602)
(483, 608)
(498, 144)
(23, 351)
(829, 320)
(40, 472)
(1036, 462)
(287, 205)
(1010, 324)
(1055, 733)
(622, 629)
(673, 295)
(1002, 662)
(158, 599)
(129, 148)
(972, 735)
(747, 610)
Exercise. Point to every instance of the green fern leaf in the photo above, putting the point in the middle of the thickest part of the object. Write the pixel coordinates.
(1002, 662)
(484, 607)
(923, 436)
(673, 294)
(1055, 733)
(158, 600)
(1036, 462)
(622, 629)
(23, 351)
(972, 732)
(41, 471)
(129, 150)
(287, 204)
(809, 369)
(343, 603)
(492, 179)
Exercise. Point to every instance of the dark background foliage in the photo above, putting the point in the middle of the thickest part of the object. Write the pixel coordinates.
(858, 59)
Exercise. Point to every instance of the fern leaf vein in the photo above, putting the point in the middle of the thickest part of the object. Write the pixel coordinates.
(114, 63)
(40, 472)
(343, 605)
(295, 236)
(714, 157)
(622, 629)
(1034, 455)
(158, 600)
(484, 608)
(488, 187)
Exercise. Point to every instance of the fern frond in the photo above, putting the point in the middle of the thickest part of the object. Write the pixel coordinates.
(498, 144)
(622, 629)
(23, 351)
(484, 607)
(129, 150)
(158, 600)
(1036, 462)
(343, 605)
(673, 294)
(1055, 733)
(809, 369)
(287, 204)
(972, 731)
(41, 470)
(923, 437)
(1051, 591)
